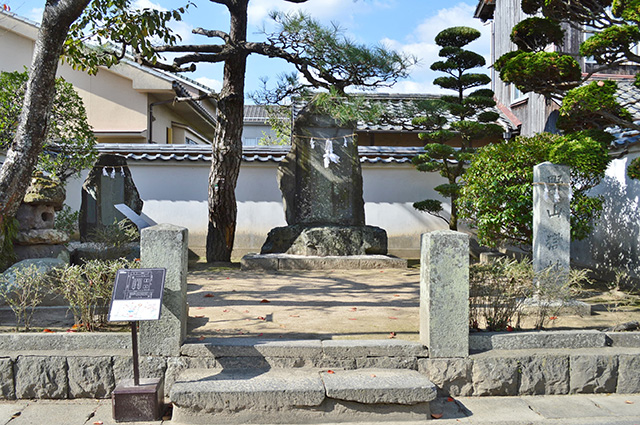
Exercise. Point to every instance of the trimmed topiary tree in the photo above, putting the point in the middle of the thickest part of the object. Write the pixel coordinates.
(452, 118)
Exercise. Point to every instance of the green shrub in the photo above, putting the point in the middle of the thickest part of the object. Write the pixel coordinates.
(23, 292)
(117, 234)
(88, 289)
(497, 193)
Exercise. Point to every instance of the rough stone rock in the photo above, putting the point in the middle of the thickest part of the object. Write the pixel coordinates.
(41, 236)
(100, 193)
(90, 377)
(150, 367)
(542, 375)
(326, 240)
(496, 376)
(43, 265)
(7, 385)
(81, 252)
(313, 193)
(409, 363)
(45, 191)
(24, 252)
(41, 377)
(629, 374)
(451, 376)
(593, 373)
(35, 217)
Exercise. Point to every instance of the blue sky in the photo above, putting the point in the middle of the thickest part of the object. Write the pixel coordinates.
(404, 25)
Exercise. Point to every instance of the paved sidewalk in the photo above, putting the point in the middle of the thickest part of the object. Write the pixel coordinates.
(614, 409)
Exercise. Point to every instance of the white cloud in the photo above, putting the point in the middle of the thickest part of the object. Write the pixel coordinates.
(35, 14)
(181, 28)
(214, 84)
(420, 44)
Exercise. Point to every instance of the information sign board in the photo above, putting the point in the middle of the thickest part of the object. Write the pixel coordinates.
(137, 295)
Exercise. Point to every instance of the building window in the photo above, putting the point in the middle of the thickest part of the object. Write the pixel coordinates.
(517, 95)
(189, 141)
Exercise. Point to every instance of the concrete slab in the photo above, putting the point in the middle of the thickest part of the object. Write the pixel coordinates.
(379, 386)
(50, 411)
(497, 409)
(626, 406)
(251, 347)
(569, 406)
(373, 348)
(10, 408)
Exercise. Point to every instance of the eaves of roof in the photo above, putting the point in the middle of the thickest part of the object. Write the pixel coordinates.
(203, 153)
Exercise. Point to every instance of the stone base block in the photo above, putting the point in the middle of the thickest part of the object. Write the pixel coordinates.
(272, 262)
(138, 402)
(24, 252)
(330, 240)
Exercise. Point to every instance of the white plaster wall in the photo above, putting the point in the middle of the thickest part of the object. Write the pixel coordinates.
(176, 192)
(615, 241)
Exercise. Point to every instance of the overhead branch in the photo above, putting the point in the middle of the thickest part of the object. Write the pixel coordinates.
(202, 48)
(163, 66)
(204, 57)
(213, 33)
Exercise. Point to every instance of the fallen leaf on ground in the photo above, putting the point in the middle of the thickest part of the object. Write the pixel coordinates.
(201, 338)
(262, 318)
(228, 278)
(354, 308)
(209, 295)
(373, 375)
(628, 401)
(225, 311)
(47, 331)
(246, 311)
(396, 295)
(436, 415)
(392, 334)
(265, 301)
(75, 326)
(393, 318)
(199, 316)
(98, 423)
(450, 399)
(330, 371)
(352, 318)
(294, 315)
(260, 334)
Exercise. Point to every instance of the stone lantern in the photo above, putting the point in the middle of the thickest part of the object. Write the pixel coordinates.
(36, 216)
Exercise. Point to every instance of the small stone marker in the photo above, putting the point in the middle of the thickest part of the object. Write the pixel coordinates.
(166, 245)
(551, 223)
(444, 293)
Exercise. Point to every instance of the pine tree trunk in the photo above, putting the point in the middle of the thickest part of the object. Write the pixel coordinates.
(227, 146)
(22, 157)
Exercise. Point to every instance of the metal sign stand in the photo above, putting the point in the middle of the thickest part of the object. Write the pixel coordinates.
(137, 295)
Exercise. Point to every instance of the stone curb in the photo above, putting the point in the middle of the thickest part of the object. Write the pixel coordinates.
(271, 262)
(76, 365)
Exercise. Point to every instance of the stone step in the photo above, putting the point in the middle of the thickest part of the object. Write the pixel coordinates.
(301, 395)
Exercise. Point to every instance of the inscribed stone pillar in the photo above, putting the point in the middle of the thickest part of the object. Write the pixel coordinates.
(165, 245)
(444, 293)
(109, 183)
(551, 223)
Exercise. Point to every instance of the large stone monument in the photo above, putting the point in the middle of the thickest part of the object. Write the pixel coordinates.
(551, 221)
(109, 183)
(321, 183)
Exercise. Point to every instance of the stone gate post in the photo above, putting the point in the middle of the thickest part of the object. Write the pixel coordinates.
(444, 293)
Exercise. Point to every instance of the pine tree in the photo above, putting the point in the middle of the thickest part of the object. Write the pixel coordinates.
(454, 119)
